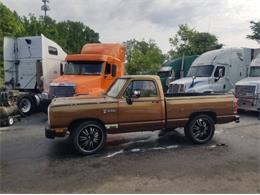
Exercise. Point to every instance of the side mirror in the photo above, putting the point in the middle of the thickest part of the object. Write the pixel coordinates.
(61, 69)
(129, 100)
(136, 94)
(113, 70)
(219, 74)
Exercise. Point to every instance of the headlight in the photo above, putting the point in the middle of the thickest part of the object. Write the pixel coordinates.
(49, 123)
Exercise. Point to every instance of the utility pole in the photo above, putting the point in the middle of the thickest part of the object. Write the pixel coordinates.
(45, 7)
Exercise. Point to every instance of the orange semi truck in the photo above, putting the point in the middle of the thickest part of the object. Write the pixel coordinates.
(89, 73)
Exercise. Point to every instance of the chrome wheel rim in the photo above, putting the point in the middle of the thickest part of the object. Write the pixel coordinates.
(201, 129)
(90, 138)
(25, 105)
(11, 120)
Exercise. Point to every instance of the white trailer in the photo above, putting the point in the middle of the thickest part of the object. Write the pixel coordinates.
(247, 90)
(215, 71)
(30, 64)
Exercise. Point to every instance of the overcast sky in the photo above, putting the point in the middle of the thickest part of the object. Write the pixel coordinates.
(120, 20)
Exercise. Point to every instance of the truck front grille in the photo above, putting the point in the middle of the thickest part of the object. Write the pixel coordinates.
(176, 88)
(245, 91)
(62, 91)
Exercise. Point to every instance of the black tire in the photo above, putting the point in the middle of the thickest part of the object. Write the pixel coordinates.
(26, 105)
(89, 137)
(200, 129)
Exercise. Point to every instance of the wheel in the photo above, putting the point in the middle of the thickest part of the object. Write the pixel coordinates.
(200, 129)
(26, 105)
(89, 137)
(10, 120)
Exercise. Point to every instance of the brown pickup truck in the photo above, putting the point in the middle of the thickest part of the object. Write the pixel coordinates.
(137, 103)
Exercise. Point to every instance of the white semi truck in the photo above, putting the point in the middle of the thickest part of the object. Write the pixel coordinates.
(30, 64)
(247, 90)
(215, 71)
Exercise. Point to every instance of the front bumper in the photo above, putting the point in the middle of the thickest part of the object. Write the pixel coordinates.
(49, 133)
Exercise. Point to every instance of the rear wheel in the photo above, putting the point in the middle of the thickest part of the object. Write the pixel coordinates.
(200, 129)
(89, 137)
(26, 105)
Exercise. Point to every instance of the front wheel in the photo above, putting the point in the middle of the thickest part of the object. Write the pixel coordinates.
(26, 105)
(89, 137)
(200, 129)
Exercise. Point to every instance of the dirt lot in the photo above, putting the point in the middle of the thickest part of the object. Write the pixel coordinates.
(132, 163)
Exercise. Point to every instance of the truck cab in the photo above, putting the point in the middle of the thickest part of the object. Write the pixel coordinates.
(89, 73)
(248, 90)
(175, 69)
(215, 71)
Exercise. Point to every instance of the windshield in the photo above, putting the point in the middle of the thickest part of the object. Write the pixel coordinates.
(83, 68)
(200, 71)
(164, 74)
(116, 88)
(254, 71)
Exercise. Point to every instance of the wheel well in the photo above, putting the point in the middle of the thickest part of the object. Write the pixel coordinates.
(209, 113)
(79, 121)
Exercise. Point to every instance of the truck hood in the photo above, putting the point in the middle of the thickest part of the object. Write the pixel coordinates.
(84, 84)
(78, 100)
(187, 82)
(249, 81)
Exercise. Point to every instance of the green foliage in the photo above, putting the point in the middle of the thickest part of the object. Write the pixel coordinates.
(9, 26)
(143, 57)
(70, 35)
(188, 41)
(255, 27)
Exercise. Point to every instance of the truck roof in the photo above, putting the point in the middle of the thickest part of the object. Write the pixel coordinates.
(115, 50)
(141, 76)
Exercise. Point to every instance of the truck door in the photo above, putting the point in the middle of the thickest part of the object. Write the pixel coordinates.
(145, 112)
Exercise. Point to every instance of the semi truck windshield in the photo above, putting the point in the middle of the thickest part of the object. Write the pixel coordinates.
(200, 71)
(254, 71)
(83, 68)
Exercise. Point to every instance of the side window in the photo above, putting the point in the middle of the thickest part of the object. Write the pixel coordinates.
(52, 51)
(108, 69)
(218, 70)
(146, 88)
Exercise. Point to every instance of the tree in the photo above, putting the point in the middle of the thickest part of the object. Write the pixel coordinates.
(143, 57)
(9, 26)
(255, 27)
(70, 35)
(188, 41)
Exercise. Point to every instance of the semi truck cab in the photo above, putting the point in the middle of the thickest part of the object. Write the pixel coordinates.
(89, 73)
(215, 71)
(247, 90)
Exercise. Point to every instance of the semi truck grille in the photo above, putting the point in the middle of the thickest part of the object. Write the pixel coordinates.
(245, 91)
(176, 88)
(62, 91)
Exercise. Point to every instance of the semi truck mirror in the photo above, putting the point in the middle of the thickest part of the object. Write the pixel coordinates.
(136, 94)
(113, 70)
(61, 69)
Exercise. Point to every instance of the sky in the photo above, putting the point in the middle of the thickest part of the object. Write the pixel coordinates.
(121, 20)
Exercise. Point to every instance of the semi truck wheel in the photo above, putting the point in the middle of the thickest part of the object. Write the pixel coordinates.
(89, 137)
(26, 105)
(200, 129)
